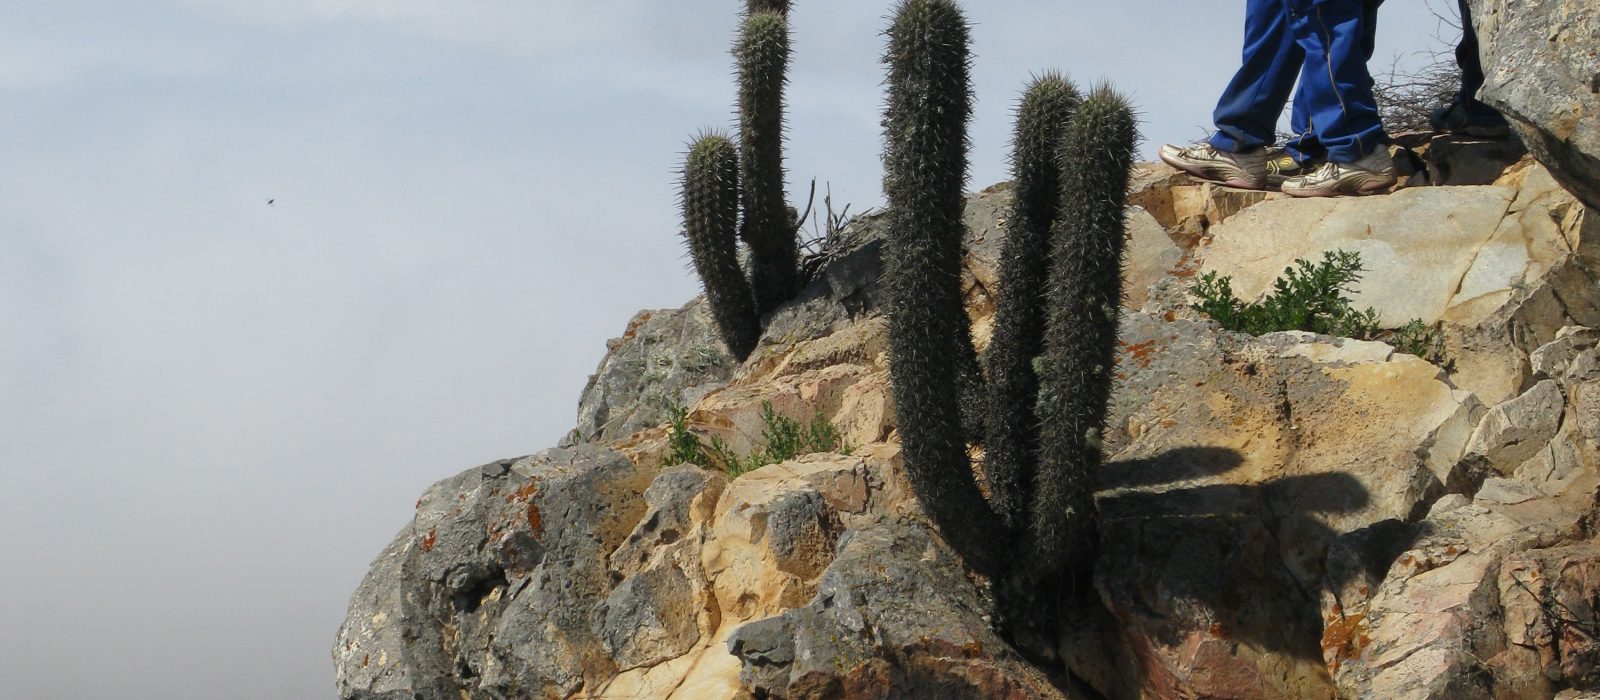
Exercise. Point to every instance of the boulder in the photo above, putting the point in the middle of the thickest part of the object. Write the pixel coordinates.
(1238, 463)
(751, 548)
(1490, 595)
(664, 355)
(859, 638)
(497, 585)
(1517, 430)
(1413, 271)
(1543, 74)
(1504, 267)
(1285, 516)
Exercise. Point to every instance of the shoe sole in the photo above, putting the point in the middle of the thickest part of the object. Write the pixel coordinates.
(1367, 186)
(1222, 175)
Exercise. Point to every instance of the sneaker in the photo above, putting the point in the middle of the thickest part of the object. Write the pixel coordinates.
(1470, 118)
(1281, 166)
(1372, 174)
(1245, 170)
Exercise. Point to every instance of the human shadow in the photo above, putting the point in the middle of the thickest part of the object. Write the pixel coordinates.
(1189, 558)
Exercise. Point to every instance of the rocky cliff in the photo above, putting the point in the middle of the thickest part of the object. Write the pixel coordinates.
(1286, 516)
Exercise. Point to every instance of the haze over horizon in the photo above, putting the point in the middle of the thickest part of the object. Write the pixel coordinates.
(215, 411)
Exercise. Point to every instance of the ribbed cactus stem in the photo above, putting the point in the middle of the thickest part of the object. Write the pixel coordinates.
(709, 194)
(1043, 115)
(925, 166)
(778, 6)
(1084, 301)
(762, 54)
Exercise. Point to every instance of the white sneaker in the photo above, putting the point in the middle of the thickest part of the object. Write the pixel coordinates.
(1245, 170)
(1372, 174)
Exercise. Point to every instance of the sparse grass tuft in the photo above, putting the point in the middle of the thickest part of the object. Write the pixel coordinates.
(783, 438)
(1424, 341)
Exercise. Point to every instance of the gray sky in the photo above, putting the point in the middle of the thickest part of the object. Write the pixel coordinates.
(214, 412)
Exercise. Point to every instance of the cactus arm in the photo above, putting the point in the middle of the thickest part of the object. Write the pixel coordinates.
(709, 197)
(1085, 298)
(925, 162)
(762, 55)
(1043, 114)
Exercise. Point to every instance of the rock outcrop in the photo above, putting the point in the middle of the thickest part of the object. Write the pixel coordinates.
(1284, 516)
(1543, 73)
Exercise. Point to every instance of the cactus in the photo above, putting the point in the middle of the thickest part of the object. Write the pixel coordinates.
(709, 187)
(925, 167)
(1043, 114)
(713, 196)
(762, 54)
(779, 6)
(1053, 354)
(1084, 298)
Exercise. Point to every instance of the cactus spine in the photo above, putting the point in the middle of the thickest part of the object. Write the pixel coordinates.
(762, 54)
(1085, 295)
(709, 187)
(1042, 118)
(925, 164)
(778, 6)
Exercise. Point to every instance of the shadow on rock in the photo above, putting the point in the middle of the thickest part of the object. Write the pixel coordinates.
(1210, 588)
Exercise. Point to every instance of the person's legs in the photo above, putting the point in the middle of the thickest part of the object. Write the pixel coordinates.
(1304, 147)
(1467, 56)
(1465, 114)
(1341, 108)
(1247, 114)
(1369, 27)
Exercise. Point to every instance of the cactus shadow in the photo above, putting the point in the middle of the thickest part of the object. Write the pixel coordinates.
(1191, 561)
(1181, 464)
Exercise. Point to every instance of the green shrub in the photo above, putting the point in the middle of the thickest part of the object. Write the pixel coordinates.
(1311, 297)
(1308, 297)
(683, 446)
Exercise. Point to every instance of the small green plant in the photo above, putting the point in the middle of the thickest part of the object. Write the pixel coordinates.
(782, 438)
(1308, 297)
(1424, 341)
(1311, 297)
(786, 438)
(683, 446)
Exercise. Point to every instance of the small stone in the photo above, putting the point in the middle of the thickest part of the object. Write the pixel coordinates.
(1515, 431)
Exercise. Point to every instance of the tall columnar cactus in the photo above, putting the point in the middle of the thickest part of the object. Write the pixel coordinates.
(1042, 115)
(1085, 295)
(1053, 354)
(779, 6)
(925, 167)
(709, 187)
(762, 54)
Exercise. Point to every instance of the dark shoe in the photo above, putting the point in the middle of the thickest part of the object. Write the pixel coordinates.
(1282, 166)
(1470, 118)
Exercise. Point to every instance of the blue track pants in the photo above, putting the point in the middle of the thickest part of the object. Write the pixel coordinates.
(1324, 46)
